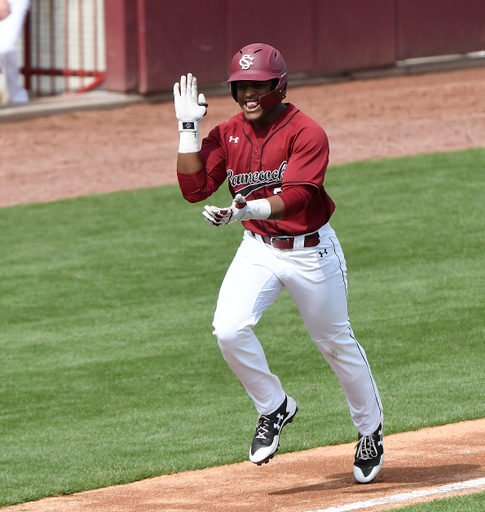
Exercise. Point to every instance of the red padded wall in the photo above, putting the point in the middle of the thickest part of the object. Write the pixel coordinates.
(121, 47)
(181, 37)
(151, 43)
(439, 27)
(287, 25)
(354, 34)
(314, 36)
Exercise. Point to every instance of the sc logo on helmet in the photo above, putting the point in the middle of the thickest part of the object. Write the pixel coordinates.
(246, 61)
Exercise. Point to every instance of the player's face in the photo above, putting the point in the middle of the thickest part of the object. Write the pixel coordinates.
(248, 94)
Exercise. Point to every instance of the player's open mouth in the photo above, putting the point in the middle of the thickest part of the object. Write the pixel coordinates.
(251, 106)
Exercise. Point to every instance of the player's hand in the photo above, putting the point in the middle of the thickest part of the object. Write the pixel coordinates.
(5, 10)
(190, 107)
(224, 216)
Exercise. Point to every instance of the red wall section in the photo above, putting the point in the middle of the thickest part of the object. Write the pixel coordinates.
(314, 36)
(181, 37)
(354, 34)
(151, 43)
(439, 27)
(287, 25)
(121, 49)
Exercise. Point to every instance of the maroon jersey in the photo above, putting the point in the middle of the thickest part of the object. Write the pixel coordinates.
(288, 157)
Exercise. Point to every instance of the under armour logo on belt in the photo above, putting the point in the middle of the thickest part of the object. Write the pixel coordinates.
(246, 61)
(322, 253)
(234, 139)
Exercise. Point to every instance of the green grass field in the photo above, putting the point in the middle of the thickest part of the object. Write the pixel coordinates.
(471, 503)
(110, 372)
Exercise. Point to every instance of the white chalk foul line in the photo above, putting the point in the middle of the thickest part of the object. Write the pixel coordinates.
(470, 484)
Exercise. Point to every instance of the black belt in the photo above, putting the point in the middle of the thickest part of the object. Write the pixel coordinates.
(287, 242)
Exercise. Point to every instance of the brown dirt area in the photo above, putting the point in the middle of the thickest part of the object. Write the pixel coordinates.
(98, 151)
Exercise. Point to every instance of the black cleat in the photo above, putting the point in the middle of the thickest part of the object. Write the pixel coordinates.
(369, 456)
(268, 430)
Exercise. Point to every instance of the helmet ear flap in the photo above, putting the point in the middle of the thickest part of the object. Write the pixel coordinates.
(234, 90)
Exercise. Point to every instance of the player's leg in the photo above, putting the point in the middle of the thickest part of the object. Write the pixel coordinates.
(10, 30)
(16, 92)
(248, 289)
(319, 289)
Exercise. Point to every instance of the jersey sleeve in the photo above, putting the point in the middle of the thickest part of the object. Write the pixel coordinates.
(305, 171)
(202, 184)
(297, 198)
(308, 160)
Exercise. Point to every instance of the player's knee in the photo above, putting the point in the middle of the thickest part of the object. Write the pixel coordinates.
(226, 336)
(230, 334)
(227, 345)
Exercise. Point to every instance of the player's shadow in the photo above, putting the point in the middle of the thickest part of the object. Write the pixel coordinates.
(399, 478)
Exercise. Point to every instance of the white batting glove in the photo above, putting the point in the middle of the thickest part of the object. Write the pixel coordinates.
(240, 209)
(190, 108)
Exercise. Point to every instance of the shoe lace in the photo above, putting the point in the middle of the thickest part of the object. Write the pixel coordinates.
(262, 428)
(366, 448)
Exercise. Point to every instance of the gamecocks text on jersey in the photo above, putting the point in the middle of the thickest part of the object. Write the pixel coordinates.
(255, 180)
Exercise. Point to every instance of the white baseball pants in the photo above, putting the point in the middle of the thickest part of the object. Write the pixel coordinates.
(316, 278)
(10, 29)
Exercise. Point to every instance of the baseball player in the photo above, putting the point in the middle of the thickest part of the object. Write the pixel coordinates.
(274, 158)
(12, 18)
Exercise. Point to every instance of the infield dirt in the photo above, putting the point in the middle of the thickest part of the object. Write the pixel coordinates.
(98, 151)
